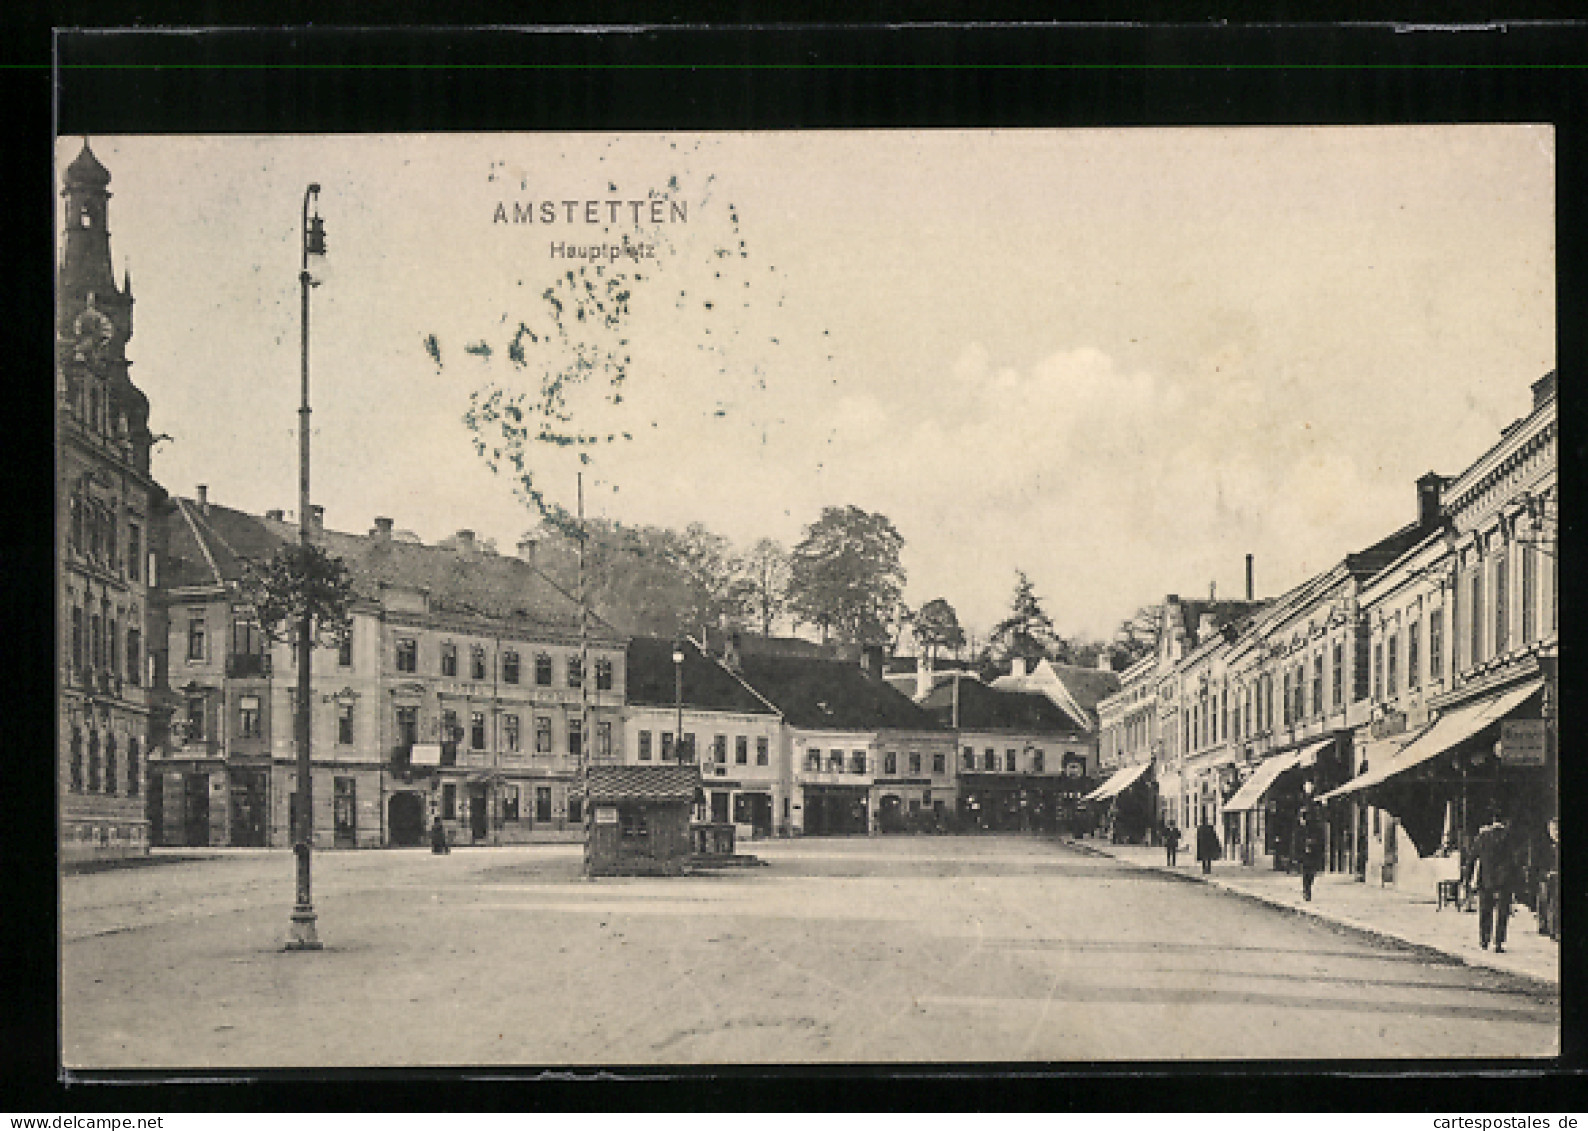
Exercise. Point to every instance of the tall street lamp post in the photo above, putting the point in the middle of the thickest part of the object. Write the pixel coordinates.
(302, 935)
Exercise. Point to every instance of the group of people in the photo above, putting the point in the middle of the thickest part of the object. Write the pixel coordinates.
(1208, 847)
(1490, 867)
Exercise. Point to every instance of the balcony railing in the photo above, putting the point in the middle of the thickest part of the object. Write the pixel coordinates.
(248, 665)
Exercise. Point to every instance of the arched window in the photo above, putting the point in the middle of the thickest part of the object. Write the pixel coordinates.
(111, 784)
(77, 760)
(93, 761)
(134, 776)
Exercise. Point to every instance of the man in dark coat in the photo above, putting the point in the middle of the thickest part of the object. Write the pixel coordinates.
(1171, 843)
(1208, 847)
(1308, 849)
(438, 838)
(1494, 861)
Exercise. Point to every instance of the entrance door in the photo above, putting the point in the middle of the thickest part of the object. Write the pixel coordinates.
(542, 803)
(249, 806)
(890, 817)
(345, 811)
(156, 809)
(479, 812)
(405, 815)
(719, 807)
(196, 810)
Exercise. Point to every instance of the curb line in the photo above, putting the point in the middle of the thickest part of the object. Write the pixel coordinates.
(1443, 956)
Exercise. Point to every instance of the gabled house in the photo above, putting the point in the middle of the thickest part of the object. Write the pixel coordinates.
(863, 756)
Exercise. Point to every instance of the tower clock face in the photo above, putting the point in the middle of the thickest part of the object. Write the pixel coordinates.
(93, 332)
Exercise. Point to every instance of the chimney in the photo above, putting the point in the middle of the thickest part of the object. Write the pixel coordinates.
(526, 549)
(465, 539)
(871, 660)
(382, 531)
(923, 675)
(277, 515)
(730, 652)
(1104, 661)
(1213, 591)
(1249, 589)
(203, 499)
(1543, 390)
(1205, 627)
(1430, 488)
(316, 518)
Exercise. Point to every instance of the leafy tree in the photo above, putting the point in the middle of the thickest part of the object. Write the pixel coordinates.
(296, 574)
(845, 576)
(765, 569)
(937, 628)
(1137, 635)
(1027, 632)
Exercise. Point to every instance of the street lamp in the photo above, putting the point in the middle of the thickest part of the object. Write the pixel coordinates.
(678, 697)
(302, 935)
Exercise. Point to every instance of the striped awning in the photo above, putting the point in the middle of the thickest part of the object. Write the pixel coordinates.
(1119, 782)
(1450, 731)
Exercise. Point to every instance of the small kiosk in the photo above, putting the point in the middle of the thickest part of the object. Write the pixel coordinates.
(639, 819)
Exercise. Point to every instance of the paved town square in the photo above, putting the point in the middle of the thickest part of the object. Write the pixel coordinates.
(905, 949)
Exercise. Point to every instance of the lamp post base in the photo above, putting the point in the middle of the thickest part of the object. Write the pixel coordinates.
(303, 935)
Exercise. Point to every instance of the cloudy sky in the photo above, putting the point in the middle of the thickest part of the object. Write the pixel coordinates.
(1117, 360)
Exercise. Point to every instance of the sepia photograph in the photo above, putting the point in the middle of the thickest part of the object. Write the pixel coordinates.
(1034, 596)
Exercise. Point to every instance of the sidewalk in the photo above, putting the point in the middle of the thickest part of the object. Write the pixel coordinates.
(1404, 916)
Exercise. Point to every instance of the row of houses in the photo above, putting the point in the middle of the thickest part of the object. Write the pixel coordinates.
(1406, 692)
(467, 692)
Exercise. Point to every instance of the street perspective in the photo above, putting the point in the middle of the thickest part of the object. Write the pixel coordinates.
(807, 598)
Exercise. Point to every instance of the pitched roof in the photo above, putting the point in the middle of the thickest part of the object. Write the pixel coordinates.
(209, 546)
(607, 784)
(988, 708)
(1087, 686)
(707, 685)
(822, 694)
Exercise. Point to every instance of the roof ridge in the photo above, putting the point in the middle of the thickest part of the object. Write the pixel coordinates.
(181, 505)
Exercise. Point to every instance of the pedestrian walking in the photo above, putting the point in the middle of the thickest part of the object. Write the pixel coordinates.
(1494, 864)
(1308, 849)
(438, 838)
(1208, 847)
(1171, 843)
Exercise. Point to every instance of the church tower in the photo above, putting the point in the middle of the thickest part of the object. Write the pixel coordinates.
(105, 499)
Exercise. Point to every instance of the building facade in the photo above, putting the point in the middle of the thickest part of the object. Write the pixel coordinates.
(464, 693)
(735, 737)
(105, 502)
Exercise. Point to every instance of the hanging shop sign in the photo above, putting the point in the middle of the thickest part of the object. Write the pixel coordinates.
(1522, 742)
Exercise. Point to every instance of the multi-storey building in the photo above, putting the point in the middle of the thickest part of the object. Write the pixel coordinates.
(461, 694)
(1023, 762)
(105, 499)
(863, 757)
(1128, 744)
(1464, 636)
(737, 737)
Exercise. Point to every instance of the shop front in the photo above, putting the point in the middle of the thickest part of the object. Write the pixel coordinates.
(1490, 754)
(1128, 803)
(836, 810)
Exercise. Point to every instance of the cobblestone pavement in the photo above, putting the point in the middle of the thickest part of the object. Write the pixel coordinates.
(978, 949)
(1409, 915)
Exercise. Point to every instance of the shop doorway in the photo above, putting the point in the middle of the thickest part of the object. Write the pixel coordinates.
(196, 810)
(156, 809)
(755, 810)
(890, 816)
(719, 807)
(835, 810)
(479, 812)
(344, 809)
(405, 817)
(250, 804)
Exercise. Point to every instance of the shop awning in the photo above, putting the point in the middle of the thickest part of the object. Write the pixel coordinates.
(1450, 731)
(424, 754)
(1119, 782)
(1250, 795)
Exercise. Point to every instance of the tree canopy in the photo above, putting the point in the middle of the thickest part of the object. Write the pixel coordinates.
(937, 628)
(845, 576)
